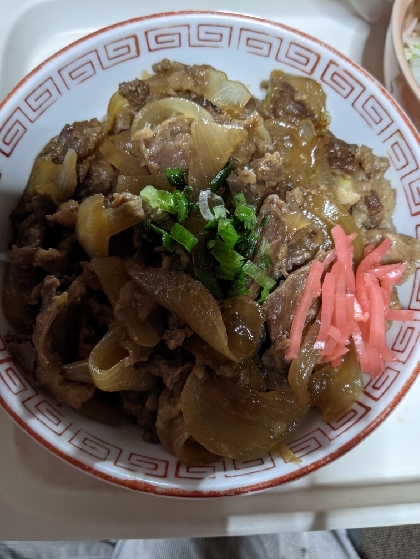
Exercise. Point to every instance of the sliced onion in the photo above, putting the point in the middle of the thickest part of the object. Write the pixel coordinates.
(128, 214)
(44, 171)
(123, 161)
(157, 111)
(203, 203)
(117, 105)
(109, 369)
(66, 180)
(228, 95)
(211, 147)
(61, 187)
(189, 300)
(92, 226)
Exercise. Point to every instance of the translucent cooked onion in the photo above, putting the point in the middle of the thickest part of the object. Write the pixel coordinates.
(66, 180)
(44, 171)
(334, 390)
(233, 420)
(229, 95)
(302, 367)
(135, 185)
(79, 370)
(211, 147)
(117, 105)
(61, 187)
(127, 164)
(92, 226)
(108, 367)
(124, 216)
(243, 318)
(111, 272)
(156, 112)
(189, 300)
(188, 451)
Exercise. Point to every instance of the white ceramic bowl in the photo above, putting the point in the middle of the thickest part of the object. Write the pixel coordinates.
(76, 84)
(398, 77)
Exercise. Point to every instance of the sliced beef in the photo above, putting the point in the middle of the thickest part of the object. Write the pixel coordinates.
(176, 333)
(135, 92)
(284, 103)
(272, 238)
(66, 214)
(280, 307)
(23, 353)
(170, 370)
(100, 179)
(82, 137)
(341, 156)
(168, 145)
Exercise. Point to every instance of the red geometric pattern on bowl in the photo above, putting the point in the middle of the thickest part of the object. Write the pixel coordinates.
(260, 44)
(277, 45)
(134, 462)
(96, 448)
(341, 81)
(406, 340)
(200, 472)
(201, 35)
(298, 56)
(376, 388)
(48, 414)
(415, 294)
(411, 185)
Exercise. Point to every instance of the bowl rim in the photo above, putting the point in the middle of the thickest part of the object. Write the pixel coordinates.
(399, 11)
(144, 486)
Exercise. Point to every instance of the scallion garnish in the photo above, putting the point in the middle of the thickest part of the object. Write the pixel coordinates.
(264, 221)
(227, 232)
(239, 286)
(247, 215)
(158, 199)
(221, 177)
(181, 205)
(167, 240)
(230, 260)
(183, 237)
(246, 243)
(175, 177)
(257, 274)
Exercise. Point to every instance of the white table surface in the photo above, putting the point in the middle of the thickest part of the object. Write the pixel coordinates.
(376, 484)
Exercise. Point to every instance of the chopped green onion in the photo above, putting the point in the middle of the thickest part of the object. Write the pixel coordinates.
(247, 215)
(247, 243)
(163, 219)
(221, 177)
(227, 232)
(230, 260)
(239, 199)
(181, 205)
(183, 237)
(257, 274)
(204, 257)
(239, 286)
(264, 221)
(211, 224)
(158, 199)
(167, 240)
(175, 177)
(265, 261)
(219, 211)
(208, 279)
(263, 295)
